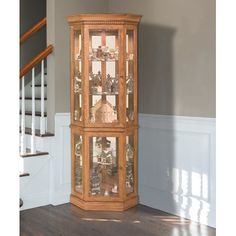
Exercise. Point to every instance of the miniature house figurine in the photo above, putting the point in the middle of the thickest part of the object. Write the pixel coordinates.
(104, 111)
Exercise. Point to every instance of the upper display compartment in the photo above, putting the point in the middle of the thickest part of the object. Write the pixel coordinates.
(104, 70)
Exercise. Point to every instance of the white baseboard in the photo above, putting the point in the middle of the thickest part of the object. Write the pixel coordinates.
(35, 200)
(177, 165)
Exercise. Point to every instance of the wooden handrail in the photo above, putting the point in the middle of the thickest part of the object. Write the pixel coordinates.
(26, 68)
(34, 29)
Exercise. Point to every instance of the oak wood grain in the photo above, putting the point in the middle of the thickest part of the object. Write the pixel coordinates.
(32, 30)
(26, 68)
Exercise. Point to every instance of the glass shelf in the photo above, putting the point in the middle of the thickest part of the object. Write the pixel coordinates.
(102, 60)
(104, 93)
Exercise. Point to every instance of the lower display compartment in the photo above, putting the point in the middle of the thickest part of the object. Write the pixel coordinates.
(104, 168)
(104, 206)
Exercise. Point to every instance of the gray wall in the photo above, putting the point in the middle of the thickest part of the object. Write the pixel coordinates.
(31, 12)
(176, 55)
(59, 63)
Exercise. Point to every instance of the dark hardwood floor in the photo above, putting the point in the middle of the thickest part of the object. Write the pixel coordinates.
(68, 220)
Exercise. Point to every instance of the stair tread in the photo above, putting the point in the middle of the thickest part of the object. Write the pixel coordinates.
(37, 153)
(24, 174)
(30, 98)
(37, 132)
(39, 85)
(37, 113)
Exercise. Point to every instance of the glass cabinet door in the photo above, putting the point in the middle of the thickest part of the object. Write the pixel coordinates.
(77, 76)
(78, 164)
(130, 161)
(130, 76)
(103, 166)
(103, 76)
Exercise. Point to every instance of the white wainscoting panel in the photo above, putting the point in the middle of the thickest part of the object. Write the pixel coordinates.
(60, 171)
(177, 165)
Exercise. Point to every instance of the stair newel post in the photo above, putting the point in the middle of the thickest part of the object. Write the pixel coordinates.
(33, 113)
(42, 121)
(22, 144)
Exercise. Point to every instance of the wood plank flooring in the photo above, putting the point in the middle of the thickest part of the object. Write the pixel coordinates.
(68, 220)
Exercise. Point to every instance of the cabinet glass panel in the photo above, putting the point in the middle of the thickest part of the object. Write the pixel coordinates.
(77, 77)
(103, 153)
(129, 75)
(129, 155)
(103, 76)
(78, 164)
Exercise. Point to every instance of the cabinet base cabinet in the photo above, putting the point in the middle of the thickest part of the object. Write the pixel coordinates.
(104, 206)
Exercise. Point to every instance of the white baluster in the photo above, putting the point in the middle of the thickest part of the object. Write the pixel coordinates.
(22, 144)
(33, 114)
(42, 120)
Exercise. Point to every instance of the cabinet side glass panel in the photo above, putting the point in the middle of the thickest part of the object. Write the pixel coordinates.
(77, 76)
(103, 161)
(103, 76)
(129, 155)
(78, 163)
(129, 75)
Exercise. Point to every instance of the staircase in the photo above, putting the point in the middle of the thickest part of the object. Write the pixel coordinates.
(33, 110)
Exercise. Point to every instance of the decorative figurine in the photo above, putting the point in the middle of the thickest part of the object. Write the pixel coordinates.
(102, 142)
(78, 177)
(78, 166)
(114, 189)
(106, 193)
(112, 170)
(130, 114)
(129, 165)
(116, 53)
(78, 83)
(108, 84)
(78, 148)
(95, 182)
(103, 53)
(99, 52)
(106, 158)
(130, 84)
(115, 84)
(95, 82)
(112, 54)
(129, 152)
(78, 56)
(129, 175)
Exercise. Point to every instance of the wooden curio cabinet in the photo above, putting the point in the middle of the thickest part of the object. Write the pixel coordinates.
(104, 110)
